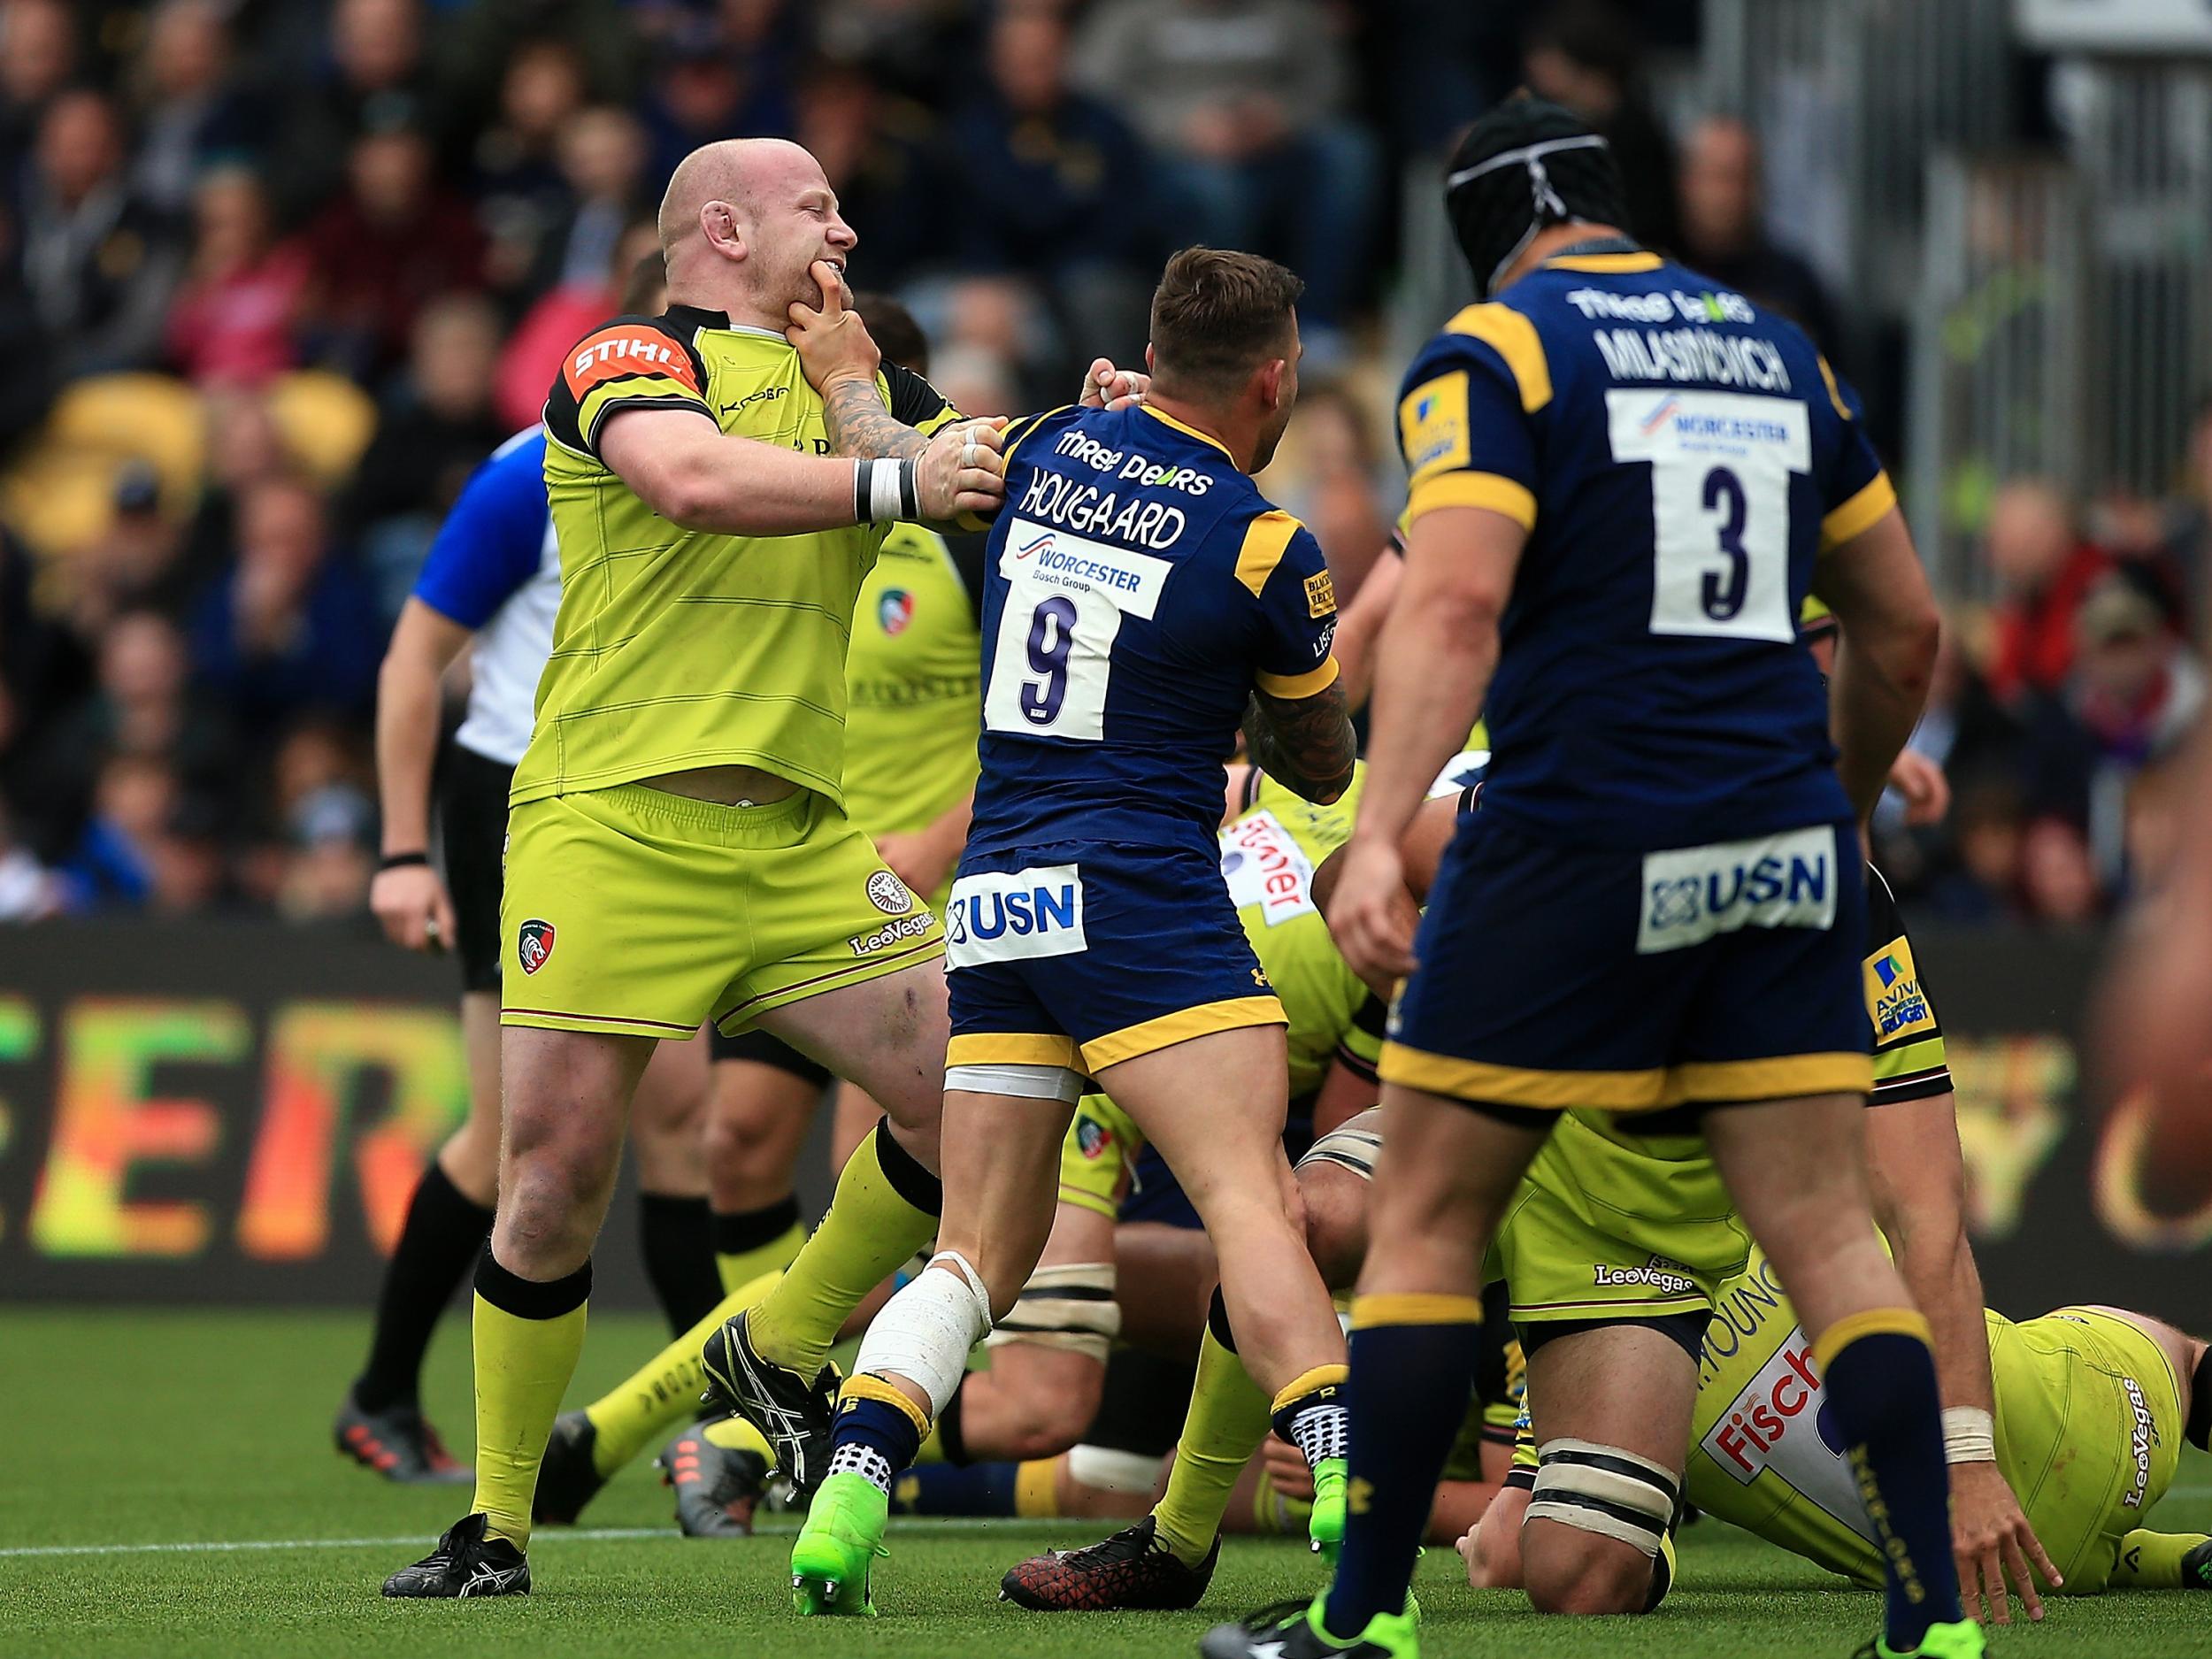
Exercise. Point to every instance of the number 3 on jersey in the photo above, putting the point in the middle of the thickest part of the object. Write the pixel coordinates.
(1721, 464)
(1065, 599)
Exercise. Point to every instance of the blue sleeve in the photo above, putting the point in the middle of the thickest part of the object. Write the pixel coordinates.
(491, 542)
(1297, 608)
(1857, 492)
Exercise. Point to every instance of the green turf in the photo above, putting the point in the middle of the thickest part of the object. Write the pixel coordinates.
(178, 1426)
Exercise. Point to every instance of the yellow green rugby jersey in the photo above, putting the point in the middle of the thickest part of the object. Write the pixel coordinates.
(678, 649)
(1269, 853)
(913, 682)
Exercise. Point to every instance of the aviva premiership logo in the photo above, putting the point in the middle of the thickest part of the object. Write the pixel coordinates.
(894, 609)
(1893, 995)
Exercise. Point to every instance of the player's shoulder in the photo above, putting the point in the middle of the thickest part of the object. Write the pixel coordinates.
(1022, 428)
(1500, 337)
(633, 344)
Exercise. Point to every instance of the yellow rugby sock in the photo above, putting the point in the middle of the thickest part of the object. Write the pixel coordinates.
(2153, 1561)
(885, 1208)
(527, 1335)
(1227, 1421)
(749, 1243)
(1037, 1489)
(663, 1393)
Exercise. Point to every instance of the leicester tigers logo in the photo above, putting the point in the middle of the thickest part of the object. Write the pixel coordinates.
(533, 944)
(894, 609)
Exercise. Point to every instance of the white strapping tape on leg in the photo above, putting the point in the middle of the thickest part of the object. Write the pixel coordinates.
(1071, 1308)
(1025, 1082)
(1604, 1490)
(925, 1332)
(1103, 1470)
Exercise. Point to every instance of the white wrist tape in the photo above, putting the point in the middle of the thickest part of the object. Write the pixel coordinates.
(885, 490)
(1969, 1435)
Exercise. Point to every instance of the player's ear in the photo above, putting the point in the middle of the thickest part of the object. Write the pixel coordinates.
(1147, 357)
(1269, 382)
(719, 220)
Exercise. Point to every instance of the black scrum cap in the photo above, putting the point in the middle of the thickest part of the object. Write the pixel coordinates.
(1527, 166)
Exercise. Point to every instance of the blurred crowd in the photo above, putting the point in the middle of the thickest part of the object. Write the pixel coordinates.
(276, 274)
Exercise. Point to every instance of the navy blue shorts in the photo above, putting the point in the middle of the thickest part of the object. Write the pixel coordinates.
(1555, 976)
(1088, 953)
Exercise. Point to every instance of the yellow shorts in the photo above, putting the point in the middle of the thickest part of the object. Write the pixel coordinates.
(640, 913)
(1096, 1157)
(2089, 1429)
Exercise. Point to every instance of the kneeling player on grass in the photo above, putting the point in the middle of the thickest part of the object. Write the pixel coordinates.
(2093, 1404)
(1142, 598)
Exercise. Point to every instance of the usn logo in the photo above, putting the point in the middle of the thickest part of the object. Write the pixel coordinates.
(1014, 915)
(1692, 893)
(894, 610)
(534, 945)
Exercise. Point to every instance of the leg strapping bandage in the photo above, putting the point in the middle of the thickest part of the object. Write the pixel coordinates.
(1072, 1308)
(1604, 1490)
(1028, 1081)
(924, 1332)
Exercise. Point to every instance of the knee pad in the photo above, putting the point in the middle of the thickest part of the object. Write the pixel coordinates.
(924, 1332)
(1352, 1145)
(1025, 1082)
(1071, 1308)
(1604, 1490)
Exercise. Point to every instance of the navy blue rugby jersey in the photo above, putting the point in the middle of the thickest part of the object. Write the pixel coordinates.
(1680, 459)
(1137, 588)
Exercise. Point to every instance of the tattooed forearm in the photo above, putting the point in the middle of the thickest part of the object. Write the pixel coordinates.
(1305, 743)
(861, 426)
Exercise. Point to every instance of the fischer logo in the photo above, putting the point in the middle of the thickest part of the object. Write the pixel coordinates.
(1262, 864)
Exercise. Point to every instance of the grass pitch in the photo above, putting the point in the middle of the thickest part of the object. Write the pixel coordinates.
(181, 1432)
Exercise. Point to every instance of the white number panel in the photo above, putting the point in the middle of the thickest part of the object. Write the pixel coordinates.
(1065, 597)
(1720, 463)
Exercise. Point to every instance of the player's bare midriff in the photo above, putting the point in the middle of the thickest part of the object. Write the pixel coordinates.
(725, 786)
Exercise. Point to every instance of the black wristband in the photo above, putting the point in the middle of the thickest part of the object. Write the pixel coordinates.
(401, 861)
(909, 489)
(862, 503)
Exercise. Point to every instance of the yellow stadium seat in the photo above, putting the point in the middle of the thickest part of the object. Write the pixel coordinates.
(326, 421)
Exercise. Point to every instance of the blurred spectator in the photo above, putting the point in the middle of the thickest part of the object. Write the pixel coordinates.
(533, 353)
(374, 78)
(243, 447)
(392, 242)
(875, 151)
(1244, 101)
(603, 164)
(319, 864)
(519, 190)
(136, 562)
(2042, 568)
(38, 55)
(1723, 229)
(1053, 185)
(99, 263)
(707, 85)
(112, 864)
(29, 892)
(235, 317)
(192, 108)
(1328, 478)
(1586, 55)
(2058, 882)
(141, 707)
(436, 425)
(283, 630)
(27, 389)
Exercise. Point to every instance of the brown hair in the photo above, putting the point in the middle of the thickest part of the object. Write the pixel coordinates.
(1218, 314)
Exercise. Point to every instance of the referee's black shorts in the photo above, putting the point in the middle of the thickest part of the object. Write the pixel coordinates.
(472, 811)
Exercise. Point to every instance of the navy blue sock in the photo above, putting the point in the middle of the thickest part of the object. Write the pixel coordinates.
(878, 1430)
(1413, 1363)
(1880, 1381)
(955, 1489)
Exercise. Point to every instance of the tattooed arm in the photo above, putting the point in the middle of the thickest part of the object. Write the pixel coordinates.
(1305, 743)
(860, 426)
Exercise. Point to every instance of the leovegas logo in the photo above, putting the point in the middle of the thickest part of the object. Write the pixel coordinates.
(612, 352)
